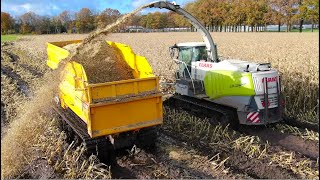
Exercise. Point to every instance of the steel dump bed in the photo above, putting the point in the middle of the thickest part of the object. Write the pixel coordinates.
(111, 107)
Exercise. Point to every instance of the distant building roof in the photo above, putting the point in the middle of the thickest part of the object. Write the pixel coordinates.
(134, 27)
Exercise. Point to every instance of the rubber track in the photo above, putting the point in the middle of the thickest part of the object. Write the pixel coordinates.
(209, 106)
(231, 114)
(80, 128)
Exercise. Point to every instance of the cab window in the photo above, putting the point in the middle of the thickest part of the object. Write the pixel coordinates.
(185, 55)
(199, 53)
(188, 54)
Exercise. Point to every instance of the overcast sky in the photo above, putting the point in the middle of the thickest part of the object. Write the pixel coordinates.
(54, 7)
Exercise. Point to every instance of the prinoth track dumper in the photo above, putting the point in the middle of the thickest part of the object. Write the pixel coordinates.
(231, 91)
(111, 115)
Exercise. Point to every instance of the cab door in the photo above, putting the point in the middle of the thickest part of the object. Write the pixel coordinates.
(185, 56)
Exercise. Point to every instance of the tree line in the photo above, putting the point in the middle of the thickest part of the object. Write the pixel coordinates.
(83, 21)
(216, 15)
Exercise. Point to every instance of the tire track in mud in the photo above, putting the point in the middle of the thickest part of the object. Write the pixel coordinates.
(22, 85)
(240, 162)
(301, 124)
(12, 57)
(171, 158)
(167, 139)
(4, 120)
(15, 60)
(158, 163)
(145, 165)
(289, 142)
(32, 70)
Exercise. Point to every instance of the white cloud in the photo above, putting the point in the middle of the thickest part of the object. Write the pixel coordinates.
(138, 3)
(27, 7)
(54, 7)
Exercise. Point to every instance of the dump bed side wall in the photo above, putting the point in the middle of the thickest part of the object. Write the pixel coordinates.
(127, 105)
(123, 88)
(131, 114)
(139, 64)
(56, 53)
(72, 90)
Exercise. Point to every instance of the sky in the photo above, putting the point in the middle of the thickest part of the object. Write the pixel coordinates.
(55, 7)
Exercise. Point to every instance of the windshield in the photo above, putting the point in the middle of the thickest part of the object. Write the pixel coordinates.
(199, 53)
(188, 54)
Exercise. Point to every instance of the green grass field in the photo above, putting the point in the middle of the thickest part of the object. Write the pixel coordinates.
(296, 30)
(305, 30)
(10, 37)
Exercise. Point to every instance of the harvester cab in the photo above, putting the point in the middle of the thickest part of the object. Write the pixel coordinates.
(251, 90)
(185, 53)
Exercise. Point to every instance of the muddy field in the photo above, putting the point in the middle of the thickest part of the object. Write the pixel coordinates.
(188, 146)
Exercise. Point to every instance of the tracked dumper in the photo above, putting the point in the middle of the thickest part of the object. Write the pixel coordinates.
(111, 115)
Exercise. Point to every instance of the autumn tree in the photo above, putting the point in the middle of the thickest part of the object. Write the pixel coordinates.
(28, 22)
(201, 10)
(65, 20)
(268, 15)
(277, 12)
(236, 13)
(309, 10)
(106, 17)
(171, 19)
(7, 22)
(135, 20)
(44, 25)
(151, 21)
(84, 20)
(290, 9)
(143, 20)
(219, 14)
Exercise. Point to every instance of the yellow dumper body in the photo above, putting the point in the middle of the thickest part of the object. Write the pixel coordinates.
(112, 107)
